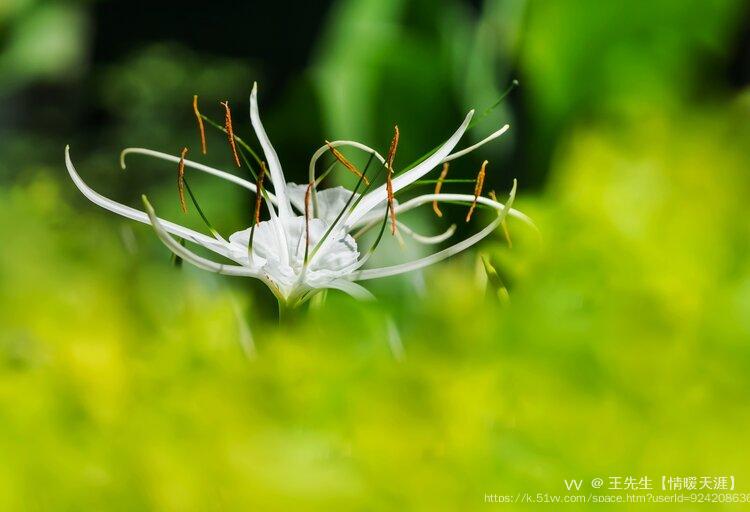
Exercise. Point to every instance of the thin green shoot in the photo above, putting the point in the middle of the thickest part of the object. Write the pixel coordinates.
(347, 205)
(473, 123)
(213, 231)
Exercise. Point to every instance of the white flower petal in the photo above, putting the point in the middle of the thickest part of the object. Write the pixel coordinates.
(336, 143)
(274, 166)
(288, 270)
(372, 199)
(138, 215)
(190, 256)
(357, 291)
(440, 255)
(479, 144)
(194, 165)
(330, 201)
(210, 170)
(427, 240)
(443, 197)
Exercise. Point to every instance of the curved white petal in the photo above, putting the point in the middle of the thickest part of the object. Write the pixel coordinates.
(353, 289)
(427, 240)
(336, 143)
(274, 166)
(465, 198)
(380, 194)
(138, 215)
(479, 144)
(194, 165)
(190, 256)
(279, 235)
(329, 204)
(440, 255)
(422, 239)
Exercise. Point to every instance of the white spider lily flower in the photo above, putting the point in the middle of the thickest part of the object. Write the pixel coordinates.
(299, 253)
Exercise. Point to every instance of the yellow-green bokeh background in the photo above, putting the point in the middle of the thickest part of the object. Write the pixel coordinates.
(624, 348)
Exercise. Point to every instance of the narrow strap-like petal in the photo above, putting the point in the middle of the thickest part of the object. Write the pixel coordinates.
(355, 290)
(190, 256)
(372, 199)
(138, 215)
(336, 143)
(479, 144)
(220, 174)
(443, 197)
(427, 240)
(194, 165)
(440, 255)
(274, 165)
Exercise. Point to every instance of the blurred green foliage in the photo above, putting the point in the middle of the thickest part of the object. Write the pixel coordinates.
(41, 40)
(624, 348)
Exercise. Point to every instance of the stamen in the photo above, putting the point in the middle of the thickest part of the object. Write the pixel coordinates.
(438, 186)
(230, 132)
(259, 195)
(346, 163)
(201, 129)
(389, 178)
(394, 146)
(200, 212)
(242, 143)
(504, 224)
(256, 215)
(181, 180)
(477, 189)
(345, 209)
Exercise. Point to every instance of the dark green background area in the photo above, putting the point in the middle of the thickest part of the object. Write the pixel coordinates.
(624, 347)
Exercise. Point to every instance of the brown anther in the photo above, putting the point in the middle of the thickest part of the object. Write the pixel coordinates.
(503, 223)
(389, 189)
(389, 177)
(181, 180)
(230, 132)
(477, 189)
(259, 192)
(392, 149)
(346, 163)
(438, 186)
(200, 124)
(307, 200)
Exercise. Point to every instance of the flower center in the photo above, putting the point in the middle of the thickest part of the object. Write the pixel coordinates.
(273, 237)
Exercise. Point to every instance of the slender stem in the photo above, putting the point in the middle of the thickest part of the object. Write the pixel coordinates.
(289, 311)
(283, 312)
